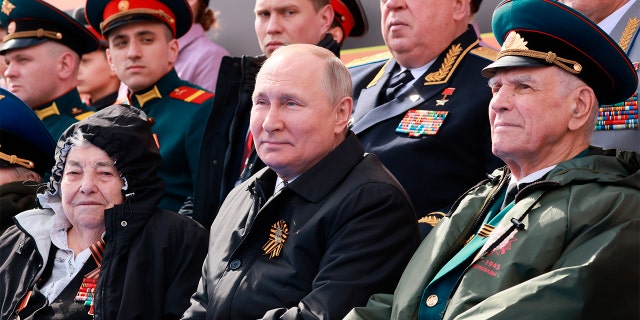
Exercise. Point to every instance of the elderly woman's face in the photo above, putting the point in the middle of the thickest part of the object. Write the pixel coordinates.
(90, 184)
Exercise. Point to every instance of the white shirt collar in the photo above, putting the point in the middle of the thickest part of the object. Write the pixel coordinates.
(610, 22)
(530, 178)
(417, 72)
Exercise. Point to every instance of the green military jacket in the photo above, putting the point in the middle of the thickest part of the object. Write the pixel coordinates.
(178, 111)
(568, 249)
(62, 112)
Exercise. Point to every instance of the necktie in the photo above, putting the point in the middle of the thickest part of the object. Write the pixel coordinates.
(396, 83)
(511, 193)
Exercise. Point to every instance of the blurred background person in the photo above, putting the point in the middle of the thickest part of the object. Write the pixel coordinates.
(3, 66)
(97, 81)
(199, 58)
(26, 153)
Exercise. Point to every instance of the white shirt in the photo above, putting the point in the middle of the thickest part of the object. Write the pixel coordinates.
(610, 22)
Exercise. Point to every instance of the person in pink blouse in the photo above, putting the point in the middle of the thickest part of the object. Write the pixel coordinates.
(199, 57)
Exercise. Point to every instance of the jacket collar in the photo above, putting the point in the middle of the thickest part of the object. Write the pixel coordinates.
(330, 171)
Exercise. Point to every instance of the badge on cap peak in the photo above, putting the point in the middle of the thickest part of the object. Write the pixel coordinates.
(7, 7)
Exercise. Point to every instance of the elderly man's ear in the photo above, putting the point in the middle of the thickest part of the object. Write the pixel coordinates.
(582, 110)
(343, 113)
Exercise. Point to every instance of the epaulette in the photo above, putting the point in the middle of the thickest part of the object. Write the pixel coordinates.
(378, 57)
(190, 94)
(83, 116)
(486, 52)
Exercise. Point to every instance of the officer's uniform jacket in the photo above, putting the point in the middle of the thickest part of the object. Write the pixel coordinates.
(179, 111)
(434, 169)
(62, 112)
(567, 249)
(348, 229)
(627, 34)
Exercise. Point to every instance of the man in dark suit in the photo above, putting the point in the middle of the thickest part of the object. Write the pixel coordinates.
(433, 131)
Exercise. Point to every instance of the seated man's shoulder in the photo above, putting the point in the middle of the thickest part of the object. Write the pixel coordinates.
(369, 61)
(485, 52)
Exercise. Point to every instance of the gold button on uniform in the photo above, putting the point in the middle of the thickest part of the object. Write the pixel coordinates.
(432, 300)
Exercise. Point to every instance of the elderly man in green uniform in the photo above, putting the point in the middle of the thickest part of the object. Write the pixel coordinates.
(566, 246)
(42, 50)
(143, 48)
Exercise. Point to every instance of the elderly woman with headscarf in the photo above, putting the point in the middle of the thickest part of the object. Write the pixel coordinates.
(100, 247)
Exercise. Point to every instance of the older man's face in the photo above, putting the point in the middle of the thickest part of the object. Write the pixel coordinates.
(529, 113)
(293, 123)
(283, 22)
(90, 184)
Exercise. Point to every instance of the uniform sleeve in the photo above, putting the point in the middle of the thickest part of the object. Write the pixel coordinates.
(365, 253)
(597, 279)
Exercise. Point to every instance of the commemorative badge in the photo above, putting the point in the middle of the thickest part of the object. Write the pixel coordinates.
(277, 237)
(417, 123)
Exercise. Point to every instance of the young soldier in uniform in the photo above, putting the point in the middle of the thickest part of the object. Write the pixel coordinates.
(143, 47)
(42, 51)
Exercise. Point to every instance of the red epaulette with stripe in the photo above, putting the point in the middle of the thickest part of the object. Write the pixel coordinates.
(190, 94)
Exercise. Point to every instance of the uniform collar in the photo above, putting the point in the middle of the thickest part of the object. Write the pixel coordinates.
(69, 103)
(162, 88)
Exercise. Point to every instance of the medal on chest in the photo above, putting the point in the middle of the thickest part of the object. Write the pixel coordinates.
(417, 123)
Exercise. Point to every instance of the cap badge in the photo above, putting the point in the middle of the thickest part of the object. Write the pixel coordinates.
(123, 5)
(7, 7)
(277, 238)
(515, 45)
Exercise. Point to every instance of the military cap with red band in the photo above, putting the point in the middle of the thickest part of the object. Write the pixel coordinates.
(351, 17)
(31, 22)
(105, 15)
(564, 38)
